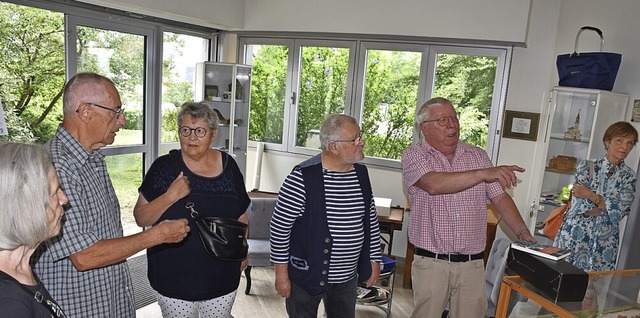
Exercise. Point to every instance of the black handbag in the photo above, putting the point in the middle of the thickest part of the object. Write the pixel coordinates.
(223, 238)
(596, 70)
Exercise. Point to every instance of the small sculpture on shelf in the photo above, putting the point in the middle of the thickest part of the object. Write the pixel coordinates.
(574, 132)
(223, 121)
(226, 121)
(239, 90)
(563, 163)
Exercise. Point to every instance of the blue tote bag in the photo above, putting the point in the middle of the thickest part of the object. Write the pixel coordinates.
(588, 70)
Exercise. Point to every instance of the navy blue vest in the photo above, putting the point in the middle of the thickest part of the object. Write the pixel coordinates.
(311, 242)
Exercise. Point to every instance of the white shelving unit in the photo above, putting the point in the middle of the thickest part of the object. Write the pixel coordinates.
(577, 122)
(226, 87)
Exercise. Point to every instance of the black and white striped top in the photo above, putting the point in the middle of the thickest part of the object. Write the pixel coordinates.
(344, 216)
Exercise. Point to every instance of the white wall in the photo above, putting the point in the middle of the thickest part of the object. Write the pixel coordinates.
(496, 20)
(619, 22)
(529, 84)
(221, 14)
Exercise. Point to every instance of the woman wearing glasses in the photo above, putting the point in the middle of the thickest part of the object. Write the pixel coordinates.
(189, 281)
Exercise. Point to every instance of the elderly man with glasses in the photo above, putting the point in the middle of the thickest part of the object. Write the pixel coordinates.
(449, 184)
(325, 237)
(85, 267)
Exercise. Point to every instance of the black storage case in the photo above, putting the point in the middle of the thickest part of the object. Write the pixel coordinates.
(559, 280)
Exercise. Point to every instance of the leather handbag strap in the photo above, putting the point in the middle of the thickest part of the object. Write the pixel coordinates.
(48, 303)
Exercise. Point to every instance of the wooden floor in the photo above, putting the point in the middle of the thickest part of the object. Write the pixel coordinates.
(264, 302)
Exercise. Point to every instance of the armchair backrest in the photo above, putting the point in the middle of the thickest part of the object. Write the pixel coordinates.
(494, 271)
(260, 217)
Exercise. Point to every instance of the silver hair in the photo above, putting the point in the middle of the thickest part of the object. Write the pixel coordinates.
(24, 193)
(422, 112)
(199, 110)
(331, 128)
(75, 92)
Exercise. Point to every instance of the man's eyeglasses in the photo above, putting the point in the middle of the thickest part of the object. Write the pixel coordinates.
(118, 111)
(355, 141)
(186, 131)
(444, 120)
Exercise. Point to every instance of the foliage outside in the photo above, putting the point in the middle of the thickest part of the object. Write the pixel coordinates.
(391, 90)
(33, 78)
(32, 71)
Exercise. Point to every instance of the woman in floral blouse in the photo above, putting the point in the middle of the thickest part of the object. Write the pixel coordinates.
(601, 198)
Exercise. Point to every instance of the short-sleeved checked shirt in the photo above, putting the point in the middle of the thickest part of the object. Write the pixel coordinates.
(447, 223)
(94, 215)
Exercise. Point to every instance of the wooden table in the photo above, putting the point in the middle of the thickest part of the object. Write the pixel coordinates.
(390, 224)
(261, 194)
(493, 218)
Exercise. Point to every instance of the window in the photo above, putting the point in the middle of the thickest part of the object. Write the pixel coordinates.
(391, 84)
(120, 56)
(180, 54)
(303, 80)
(472, 79)
(124, 51)
(323, 86)
(32, 104)
(269, 61)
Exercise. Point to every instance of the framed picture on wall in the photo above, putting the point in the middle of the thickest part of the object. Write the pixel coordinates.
(521, 125)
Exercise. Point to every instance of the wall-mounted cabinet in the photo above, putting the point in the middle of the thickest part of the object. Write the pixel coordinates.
(578, 119)
(227, 89)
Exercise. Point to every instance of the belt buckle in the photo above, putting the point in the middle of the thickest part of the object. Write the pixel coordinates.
(459, 258)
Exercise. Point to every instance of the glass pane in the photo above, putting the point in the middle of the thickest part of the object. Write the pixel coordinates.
(390, 98)
(120, 57)
(126, 175)
(179, 57)
(467, 81)
(322, 89)
(32, 72)
(268, 91)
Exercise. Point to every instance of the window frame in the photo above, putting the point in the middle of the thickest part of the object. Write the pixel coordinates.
(149, 95)
(106, 18)
(354, 107)
(242, 57)
(358, 100)
(212, 54)
(498, 100)
(295, 87)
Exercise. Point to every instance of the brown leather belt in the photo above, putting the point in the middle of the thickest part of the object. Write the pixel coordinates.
(449, 257)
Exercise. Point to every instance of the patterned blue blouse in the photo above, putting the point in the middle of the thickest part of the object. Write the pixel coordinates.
(594, 240)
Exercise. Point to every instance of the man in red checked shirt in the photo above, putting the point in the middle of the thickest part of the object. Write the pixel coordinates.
(450, 184)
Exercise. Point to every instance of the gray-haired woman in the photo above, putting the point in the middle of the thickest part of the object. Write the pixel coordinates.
(190, 282)
(31, 212)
